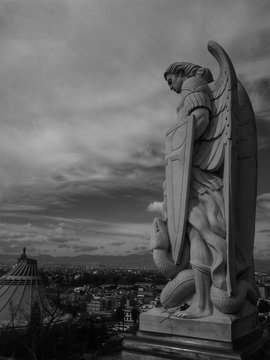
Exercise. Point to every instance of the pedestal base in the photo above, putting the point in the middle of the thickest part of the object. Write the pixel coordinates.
(217, 337)
(219, 326)
(147, 346)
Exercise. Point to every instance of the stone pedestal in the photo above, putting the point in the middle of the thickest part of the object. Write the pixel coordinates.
(216, 337)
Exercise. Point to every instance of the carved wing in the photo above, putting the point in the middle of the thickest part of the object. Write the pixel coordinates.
(217, 148)
(246, 185)
(224, 100)
(229, 147)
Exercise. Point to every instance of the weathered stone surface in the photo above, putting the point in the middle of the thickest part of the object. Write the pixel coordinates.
(216, 337)
(204, 241)
(151, 346)
(218, 327)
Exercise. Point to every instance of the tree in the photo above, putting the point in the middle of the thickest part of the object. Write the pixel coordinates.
(263, 306)
(120, 314)
(41, 330)
(135, 314)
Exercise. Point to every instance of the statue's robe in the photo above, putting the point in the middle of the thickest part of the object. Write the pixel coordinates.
(206, 187)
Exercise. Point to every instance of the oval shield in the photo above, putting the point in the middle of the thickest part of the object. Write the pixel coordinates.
(178, 159)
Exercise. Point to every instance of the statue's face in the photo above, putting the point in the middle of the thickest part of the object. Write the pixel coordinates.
(175, 82)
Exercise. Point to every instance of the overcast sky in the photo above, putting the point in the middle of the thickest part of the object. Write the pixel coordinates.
(84, 108)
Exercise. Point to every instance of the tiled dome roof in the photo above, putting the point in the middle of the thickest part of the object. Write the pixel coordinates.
(20, 289)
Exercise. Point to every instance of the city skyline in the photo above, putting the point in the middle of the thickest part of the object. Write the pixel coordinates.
(84, 109)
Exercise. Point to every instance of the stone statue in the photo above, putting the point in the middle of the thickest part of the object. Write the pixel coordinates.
(204, 241)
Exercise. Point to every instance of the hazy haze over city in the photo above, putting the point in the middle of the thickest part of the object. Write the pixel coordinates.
(84, 109)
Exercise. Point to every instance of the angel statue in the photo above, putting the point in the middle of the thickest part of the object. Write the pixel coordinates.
(204, 241)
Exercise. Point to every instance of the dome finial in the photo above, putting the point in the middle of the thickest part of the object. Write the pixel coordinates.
(23, 257)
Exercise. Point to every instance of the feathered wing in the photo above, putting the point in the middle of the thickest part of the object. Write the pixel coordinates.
(229, 148)
(219, 132)
(246, 185)
(217, 151)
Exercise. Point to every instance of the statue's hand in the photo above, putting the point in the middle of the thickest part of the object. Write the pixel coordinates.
(159, 238)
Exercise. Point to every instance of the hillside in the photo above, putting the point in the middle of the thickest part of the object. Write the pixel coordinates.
(128, 261)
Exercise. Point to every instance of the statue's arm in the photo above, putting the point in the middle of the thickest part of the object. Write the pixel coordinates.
(201, 121)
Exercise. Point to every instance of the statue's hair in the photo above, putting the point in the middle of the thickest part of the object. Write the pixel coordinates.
(188, 70)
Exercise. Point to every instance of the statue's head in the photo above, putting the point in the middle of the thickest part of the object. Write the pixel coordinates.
(177, 72)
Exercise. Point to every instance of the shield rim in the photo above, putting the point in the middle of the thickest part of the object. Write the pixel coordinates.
(180, 233)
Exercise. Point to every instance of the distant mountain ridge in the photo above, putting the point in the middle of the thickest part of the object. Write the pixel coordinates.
(133, 261)
(139, 261)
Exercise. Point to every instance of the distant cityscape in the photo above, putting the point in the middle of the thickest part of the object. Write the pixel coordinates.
(103, 303)
(134, 261)
(98, 306)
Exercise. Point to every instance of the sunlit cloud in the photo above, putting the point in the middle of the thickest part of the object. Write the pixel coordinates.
(263, 202)
(84, 110)
(155, 207)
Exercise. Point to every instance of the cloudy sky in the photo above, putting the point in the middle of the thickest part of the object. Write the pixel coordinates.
(84, 108)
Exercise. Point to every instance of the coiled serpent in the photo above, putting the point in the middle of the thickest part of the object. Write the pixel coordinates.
(181, 287)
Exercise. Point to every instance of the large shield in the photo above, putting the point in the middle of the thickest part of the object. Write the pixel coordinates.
(178, 159)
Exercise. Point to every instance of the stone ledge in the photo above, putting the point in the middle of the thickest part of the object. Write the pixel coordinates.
(150, 346)
(218, 327)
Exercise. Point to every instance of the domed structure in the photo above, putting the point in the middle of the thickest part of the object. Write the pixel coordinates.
(23, 294)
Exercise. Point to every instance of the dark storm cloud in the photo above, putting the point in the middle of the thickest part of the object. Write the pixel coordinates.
(259, 92)
(265, 231)
(119, 243)
(258, 45)
(142, 249)
(13, 246)
(62, 240)
(263, 253)
(83, 249)
(263, 132)
(84, 107)
(96, 79)
(262, 224)
(63, 246)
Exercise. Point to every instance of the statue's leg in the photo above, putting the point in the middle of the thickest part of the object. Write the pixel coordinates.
(200, 260)
(215, 243)
(178, 290)
(208, 252)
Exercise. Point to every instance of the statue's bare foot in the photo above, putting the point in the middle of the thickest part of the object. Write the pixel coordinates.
(193, 312)
(201, 304)
(169, 311)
